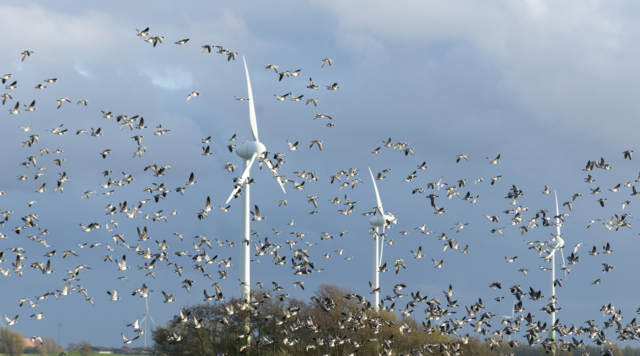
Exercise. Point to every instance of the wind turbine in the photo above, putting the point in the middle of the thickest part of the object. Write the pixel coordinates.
(147, 314)
(379, 221)
(59, 329)
(556, 243)
(513, 308)
(59, 325)
(249, 151)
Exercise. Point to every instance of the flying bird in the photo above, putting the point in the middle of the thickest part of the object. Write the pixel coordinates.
(194, 94)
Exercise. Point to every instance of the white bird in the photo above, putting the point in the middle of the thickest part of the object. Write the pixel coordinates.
(494, 161)
(293, 147)
(318, 142)
(256, 215)
(5, 96)
(195, 93)
(127, 341)
(207, 48)
(15, 109)
(312, 85)
(271, 66)
(326, 60)
(38, 316)
(320, 116)
(61, 100)
(168, 298)
(11, 321)
(113, 295)
(281, 98)
(144, 32)
(296, 98)
(26, 54)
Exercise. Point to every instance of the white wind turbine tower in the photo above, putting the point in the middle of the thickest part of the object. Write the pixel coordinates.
(249, 151)
(556, 243)
(379, 221)
(144, 320)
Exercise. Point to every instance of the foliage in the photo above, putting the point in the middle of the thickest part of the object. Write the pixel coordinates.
(12, 340)
(286, 328)
(73, 347)
(51, 345)
(277, 326)
(85, 348)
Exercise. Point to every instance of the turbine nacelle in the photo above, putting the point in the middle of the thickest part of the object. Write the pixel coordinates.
(378, 220)
(555, 243)
(248, 149)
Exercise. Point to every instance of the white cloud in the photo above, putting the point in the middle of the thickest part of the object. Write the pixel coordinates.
(168, 77)
(536, 7)
(82, 71)
(56, 34)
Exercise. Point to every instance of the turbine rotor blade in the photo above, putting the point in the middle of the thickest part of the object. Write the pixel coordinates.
(252, 110)
(244, 176)
(381, 247)
(275, 174)
(377, 195)
(558, 220)
(565, 271)
(557, 213)
(150, 317)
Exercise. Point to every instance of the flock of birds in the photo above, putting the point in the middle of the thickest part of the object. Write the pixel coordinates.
(151, 255)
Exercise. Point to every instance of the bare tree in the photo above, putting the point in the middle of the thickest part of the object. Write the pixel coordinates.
(51, 345)
(12, 340)
(73, 347)
(43, 350)
(85, 348)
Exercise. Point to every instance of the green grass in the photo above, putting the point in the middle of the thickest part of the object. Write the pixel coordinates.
(68, 354)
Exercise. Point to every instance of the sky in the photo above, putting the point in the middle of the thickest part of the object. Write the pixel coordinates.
(547, 85)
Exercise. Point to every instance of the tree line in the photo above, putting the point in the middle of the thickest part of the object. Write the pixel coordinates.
(281, 326)
(12, 343)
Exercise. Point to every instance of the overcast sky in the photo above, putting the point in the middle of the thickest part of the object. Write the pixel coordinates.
(547, 85)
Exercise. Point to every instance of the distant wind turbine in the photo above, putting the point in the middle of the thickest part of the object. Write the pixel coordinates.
(513, 308)
(147, 314)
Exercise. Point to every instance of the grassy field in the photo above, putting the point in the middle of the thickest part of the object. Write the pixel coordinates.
(68, 354)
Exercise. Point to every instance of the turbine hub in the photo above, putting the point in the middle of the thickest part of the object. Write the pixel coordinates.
(555, 243)
(378, 220)
(247, 149)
